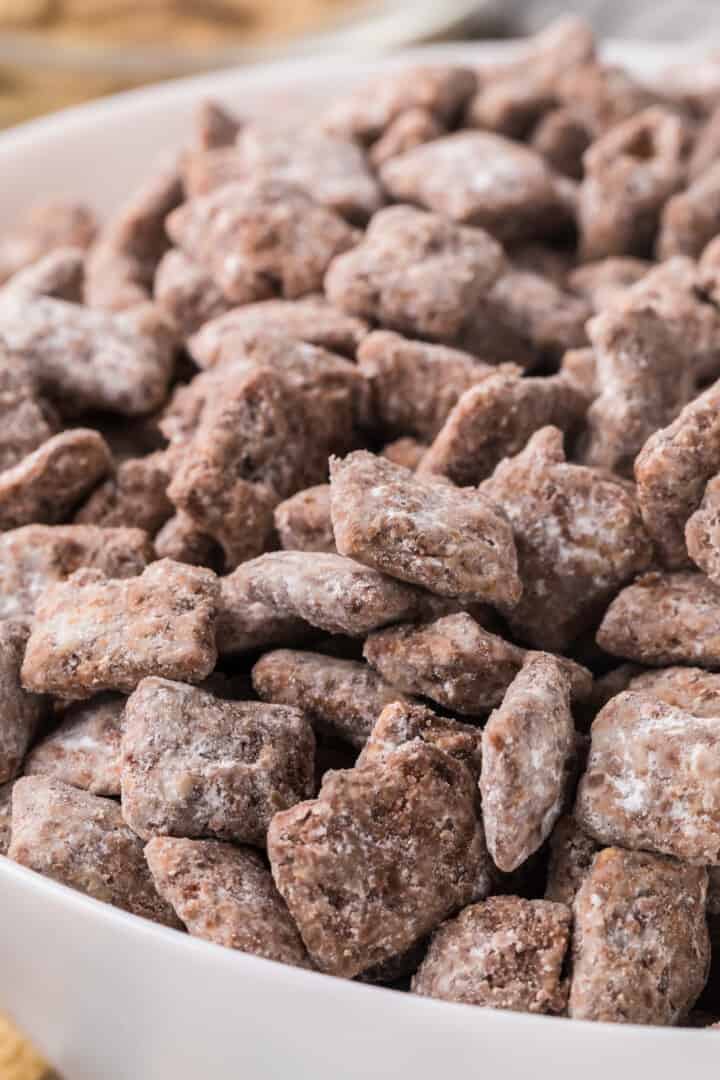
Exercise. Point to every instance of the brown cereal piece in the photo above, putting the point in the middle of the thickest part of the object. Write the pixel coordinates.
(579, 368)
(196, 765)
(640, 950)
(415, 384)
(137, 493)
(215, 126)
(604, 281)
(186, 293)
(406, 452)
(493, 420)
(604, 688)
(478, 178)
(244, 623)
(205, 170)
(651, 779)
(702, 532)
(93, 633)
(329, 591)
(26, 420)
(454, 661)
(663, 619)
(505, 953)
(61, 274)
(706, 148)
(571, 855)
(401, 722)
(579, 538)
(20, 711)
(452, 542)
(181, 540)
(562, 136)
(260, 238)
(526, 748)
(367, 112)
(383, 854)
(331, 169)
(409, 129)
(44, 228)
(691, 218)
(47, 485)
(488, 334)
(630, 172)
(310, 319)
(604, 94)
(5, 817)
(81, 840)
(692, 689)
(225, 895)
(84, 750)
(303, 521)
(340, 697)
(672, 470)
(87, 359)
(415, 272)
(37, 556)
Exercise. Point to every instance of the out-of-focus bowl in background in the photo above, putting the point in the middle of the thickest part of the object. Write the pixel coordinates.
(55, 53)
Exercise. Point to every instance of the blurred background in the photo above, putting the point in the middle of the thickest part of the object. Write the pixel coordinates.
(55, 53)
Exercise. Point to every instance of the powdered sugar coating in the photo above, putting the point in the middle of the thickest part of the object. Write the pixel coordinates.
(409, 128)
(640, 950)
(224, 894)
(60, 274)
(303, 521)
(541, 312)
(84, 750)
(690, 688)
(26, 420)
(505, 953)
(651, 779)
(340, 697)
(604, 281)
(46, 226)
(702, 532)
(186, 293)
(383, 854)
(401, 721)
(196, 765)
(135, 494)
(20, 711)
(245, 623)
(93, 633)
(81, 840)
(571, 855)
(453, 542)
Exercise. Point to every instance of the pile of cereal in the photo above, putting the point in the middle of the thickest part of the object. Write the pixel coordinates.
(360, 550)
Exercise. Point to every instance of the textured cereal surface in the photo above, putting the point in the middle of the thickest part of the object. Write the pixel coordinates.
(571, 855)
(26, 420)
(84, 749)
(20, 711)
(401, 722)
(303, 522)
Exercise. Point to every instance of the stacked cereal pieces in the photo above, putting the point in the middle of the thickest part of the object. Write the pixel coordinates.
(360, 539)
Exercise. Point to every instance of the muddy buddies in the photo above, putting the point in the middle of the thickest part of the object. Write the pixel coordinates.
(360, 538)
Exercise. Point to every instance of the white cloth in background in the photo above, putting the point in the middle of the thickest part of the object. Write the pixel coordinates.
(668, 20)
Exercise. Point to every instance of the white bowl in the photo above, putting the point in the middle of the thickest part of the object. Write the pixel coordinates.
(106, 994)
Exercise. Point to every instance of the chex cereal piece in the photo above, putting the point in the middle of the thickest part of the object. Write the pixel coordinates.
(374, 862)
(20, 711)
(629, 173)
(702, 532)
(603, 93)
(640, 949)
(82, 841)
(196, 765)
(408, 129)
(226, 895)
(453, 542)
(604, 281)
(691, 218)
(26, 420)
(205, 170)
(311, 319)
(330, 168)
(478, 178)
(87, 359)
(329, 591)
(672, 470)
(94, 633)
(136, 493)
(454, 661)
(244, 623)
(506, 953)
(60, 274)
(487, 333)
(181, 540)
(571, 855)
(651, 779)
(562, 136)
(44, 228)
(365, 114)
(550, 318)
(303, 521)
(401, 722)
(84, 750)
(664, 619)
(47, 484)
(5, 816)
(579, 368)
(37, 556)
(340, 697)
(415, 272)
(706, 146)
(186, 293)
(579, 538)
(415, 384)
(689, 688)
(526, 746)
(406, 452)
(495, 419)
(260, 238)
(215, 125)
